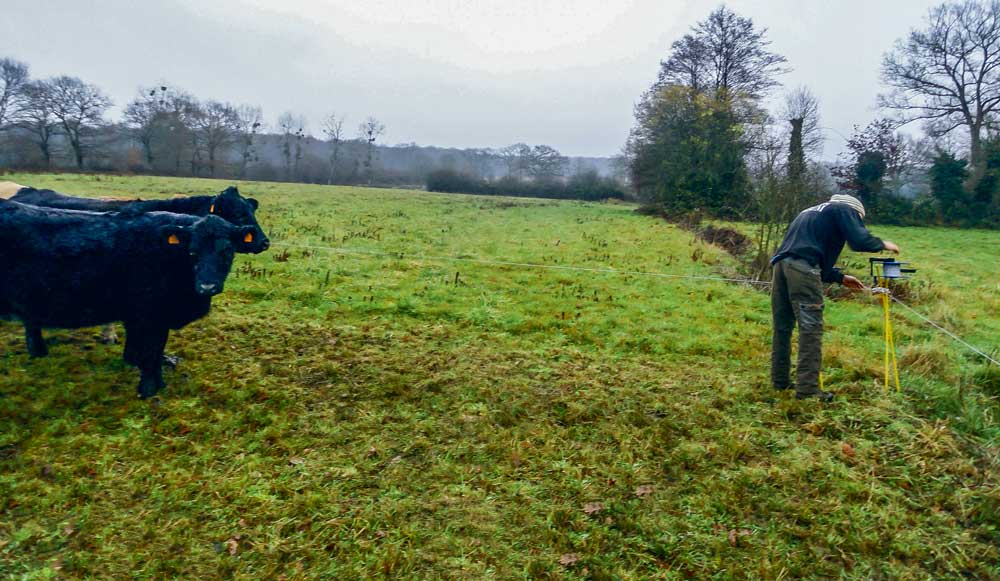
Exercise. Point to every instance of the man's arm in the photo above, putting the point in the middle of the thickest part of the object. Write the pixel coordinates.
(831, 274)
(858, 237)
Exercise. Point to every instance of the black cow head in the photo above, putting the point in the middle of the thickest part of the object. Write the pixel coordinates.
(235, 209)
(210, 243)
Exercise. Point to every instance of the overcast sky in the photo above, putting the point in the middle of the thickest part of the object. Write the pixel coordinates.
(455, 73)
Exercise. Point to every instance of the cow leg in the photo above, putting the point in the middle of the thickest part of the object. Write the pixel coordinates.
(130, 357)
(131, 340)
(149, 356)
(36, 343)
(134, 336)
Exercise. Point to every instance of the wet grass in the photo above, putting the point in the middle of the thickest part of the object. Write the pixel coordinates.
(375, 410)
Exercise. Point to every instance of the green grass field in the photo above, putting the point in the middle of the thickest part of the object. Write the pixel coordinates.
(353, 414)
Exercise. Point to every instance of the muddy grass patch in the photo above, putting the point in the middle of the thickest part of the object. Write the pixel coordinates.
(732, 241)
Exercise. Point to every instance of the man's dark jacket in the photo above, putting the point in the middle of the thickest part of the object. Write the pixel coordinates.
(817, 235)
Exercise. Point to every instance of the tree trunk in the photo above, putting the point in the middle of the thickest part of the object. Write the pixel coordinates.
(333, 165)
(245, 157)
(371, 169)
(78, 151)
(977, 164)
(796, 154)
(147, 146)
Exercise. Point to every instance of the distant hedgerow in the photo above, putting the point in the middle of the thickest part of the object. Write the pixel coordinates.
(584, 186)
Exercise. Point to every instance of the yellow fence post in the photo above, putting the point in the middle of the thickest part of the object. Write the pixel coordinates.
(890, 341)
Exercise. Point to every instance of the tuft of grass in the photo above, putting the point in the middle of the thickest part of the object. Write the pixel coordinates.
(354, 413)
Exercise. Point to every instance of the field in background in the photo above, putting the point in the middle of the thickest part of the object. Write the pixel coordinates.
(355, 414)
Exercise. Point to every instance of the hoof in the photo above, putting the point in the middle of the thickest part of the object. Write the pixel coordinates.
(147, 389)
(38, 352)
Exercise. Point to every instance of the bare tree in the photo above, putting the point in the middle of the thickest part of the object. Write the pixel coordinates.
(13, 83)
(777, 194)
(292, 129)
(481, 160)
(300, 142)
(143, 113)
(249, 120)
(773, 212)
(805, 138)
(196, 140)
(948, 74)
(369, 131)
(37, 119)
(176, 130)
(545, 163)
(724, 55)
(217, 128)
(162, 119)
(333, 129)
(515, 158)
(801, 104)
(80, 108)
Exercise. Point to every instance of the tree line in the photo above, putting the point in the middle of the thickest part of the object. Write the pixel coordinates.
(531, 171)
(62, 123)
(703, 140)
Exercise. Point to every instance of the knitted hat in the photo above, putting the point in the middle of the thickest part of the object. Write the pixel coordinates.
(850, 201)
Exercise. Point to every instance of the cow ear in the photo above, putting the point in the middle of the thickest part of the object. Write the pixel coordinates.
(254, 203)
(176, 237)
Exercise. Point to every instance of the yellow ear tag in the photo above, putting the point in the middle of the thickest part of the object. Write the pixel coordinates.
(248, 238)
(173, 240)
(211, 209)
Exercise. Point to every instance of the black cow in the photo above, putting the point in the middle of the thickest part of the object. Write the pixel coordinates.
(153, 271)
(228, 205)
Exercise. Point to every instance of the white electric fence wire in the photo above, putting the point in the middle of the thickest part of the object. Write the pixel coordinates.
(403, 256)
(400, 256)
(971, 347)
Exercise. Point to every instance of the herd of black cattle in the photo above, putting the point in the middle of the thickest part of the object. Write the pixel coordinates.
(154, 265)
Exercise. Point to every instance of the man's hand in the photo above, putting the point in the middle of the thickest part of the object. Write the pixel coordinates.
(886, 245)
(853, 283)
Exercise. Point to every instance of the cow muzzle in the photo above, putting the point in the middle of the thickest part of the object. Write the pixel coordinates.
(209, 289)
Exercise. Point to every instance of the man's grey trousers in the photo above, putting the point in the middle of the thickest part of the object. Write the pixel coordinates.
(797, 296)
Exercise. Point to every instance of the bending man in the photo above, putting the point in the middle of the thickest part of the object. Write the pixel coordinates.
(803, 263)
